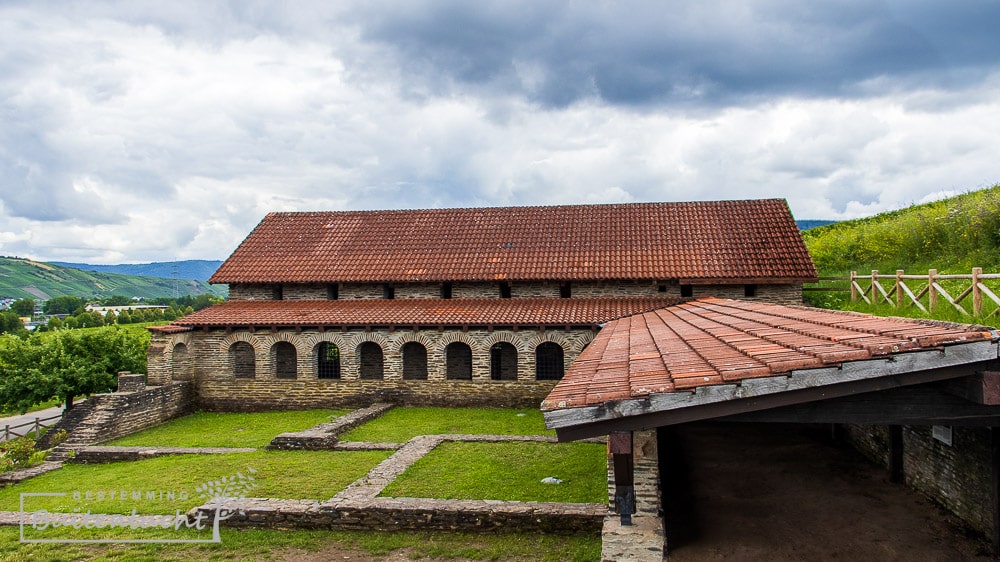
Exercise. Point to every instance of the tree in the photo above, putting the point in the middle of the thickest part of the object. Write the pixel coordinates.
(67, 363)
(117, 300)
(23, 307)
(63, 305)
(10, 322)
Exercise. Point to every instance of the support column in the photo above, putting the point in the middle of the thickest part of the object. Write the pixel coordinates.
(620, 444)
(896, 454)
(995, 485)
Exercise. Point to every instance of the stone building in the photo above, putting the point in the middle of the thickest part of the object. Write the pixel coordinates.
(481, 306)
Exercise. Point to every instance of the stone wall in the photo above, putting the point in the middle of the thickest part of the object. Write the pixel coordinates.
(781, 293)
(108, 416)
(206, 356)
(955, 476)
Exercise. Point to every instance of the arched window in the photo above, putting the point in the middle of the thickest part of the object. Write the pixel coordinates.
(242, 360)
(370, 360)
(458, 361)
(283, 360)
(327, 361)
(414, 361)
(503, 362)
(549, 362)
(180, 363)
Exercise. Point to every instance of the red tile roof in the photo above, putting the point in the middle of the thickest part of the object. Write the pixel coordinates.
(727, 241)
(715, 341)
(422, 312)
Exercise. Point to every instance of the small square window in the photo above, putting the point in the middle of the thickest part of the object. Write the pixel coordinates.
(687, 291)
(749, 290)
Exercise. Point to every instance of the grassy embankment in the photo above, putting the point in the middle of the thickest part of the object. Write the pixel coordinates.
(951, 235)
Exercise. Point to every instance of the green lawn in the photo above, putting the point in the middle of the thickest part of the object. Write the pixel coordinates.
(510, 471)
(210, 429)
(399, 425)
(279, 474)
(253, 544)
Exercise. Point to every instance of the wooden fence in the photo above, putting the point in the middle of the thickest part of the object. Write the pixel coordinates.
(926, 292)
(23, 429)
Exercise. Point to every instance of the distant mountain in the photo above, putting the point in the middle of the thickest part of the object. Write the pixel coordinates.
(22, 278)
(199, 270)
(807, 224)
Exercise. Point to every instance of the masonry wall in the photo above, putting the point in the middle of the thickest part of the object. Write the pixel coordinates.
(780, 294)
(206, 355)
(955, 476)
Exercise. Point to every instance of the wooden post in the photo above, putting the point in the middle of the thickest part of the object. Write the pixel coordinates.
(620, 443)
(995, 485)
(899, 288)
(932, 294)
(854, 287)
(874, 283)
(977, 293)
(896, 474)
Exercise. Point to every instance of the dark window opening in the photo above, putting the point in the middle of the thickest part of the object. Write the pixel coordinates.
(565, 291)
(283, 354)
(327, 361)
(661, 288)
(549, 362)
(388, 292)
(505, 290)
(445, 290)
(277, 293)
(749, 290)
(687, 291)
(370, 360)
(458, 361)
(241, 357)
(414, 361)
(503, 362)
(332, 292)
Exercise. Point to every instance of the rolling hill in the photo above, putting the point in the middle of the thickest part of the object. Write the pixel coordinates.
(23, 278)
(199, 270)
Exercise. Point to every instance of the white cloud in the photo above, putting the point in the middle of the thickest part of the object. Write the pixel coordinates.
(148, 134)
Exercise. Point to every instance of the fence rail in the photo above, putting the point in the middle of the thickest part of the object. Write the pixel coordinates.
(36, 425)
(926, 292)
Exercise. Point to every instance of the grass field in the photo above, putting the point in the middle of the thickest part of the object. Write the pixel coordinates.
(399, 425)
(210, 429)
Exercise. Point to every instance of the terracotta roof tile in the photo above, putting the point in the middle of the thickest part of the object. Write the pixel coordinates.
(714, 341)
(424, 312)
(740, 241)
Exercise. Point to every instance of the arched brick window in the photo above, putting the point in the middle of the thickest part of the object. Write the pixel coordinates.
(283, 360)
(503, 362)
(458, 361)
(414, 361)
(242, 360)
(327, 361)
(549, 362)
(370, 360)
(180, 363)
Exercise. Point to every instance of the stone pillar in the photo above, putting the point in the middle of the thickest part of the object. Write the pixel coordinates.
(130, 382)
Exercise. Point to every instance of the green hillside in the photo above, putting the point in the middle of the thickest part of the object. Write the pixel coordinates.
(22, 278)
(952, 235)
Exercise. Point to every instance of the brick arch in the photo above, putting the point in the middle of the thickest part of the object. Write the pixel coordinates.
(296, 340)
(247, 337)
(537, 339)
(357, 339)
(418, 337)
(461, 337)
(576, 345)
(519, 342)
(312, 340)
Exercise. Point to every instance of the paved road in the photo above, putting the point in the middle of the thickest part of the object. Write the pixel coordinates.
(15, 421)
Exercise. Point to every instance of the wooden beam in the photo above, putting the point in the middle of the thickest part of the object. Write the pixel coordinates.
(981, 388)
(896, 454)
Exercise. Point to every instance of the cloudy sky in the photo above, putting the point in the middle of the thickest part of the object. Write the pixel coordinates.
(155, 131)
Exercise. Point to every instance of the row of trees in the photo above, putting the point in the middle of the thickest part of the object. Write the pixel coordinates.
(67, 363)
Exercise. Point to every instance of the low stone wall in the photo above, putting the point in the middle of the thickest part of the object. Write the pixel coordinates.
(99, 455)
(324, 436)
(955, 476)
(400, 514)
(107, 416)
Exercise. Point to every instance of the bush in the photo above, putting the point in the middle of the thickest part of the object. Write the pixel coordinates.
(19, 453)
